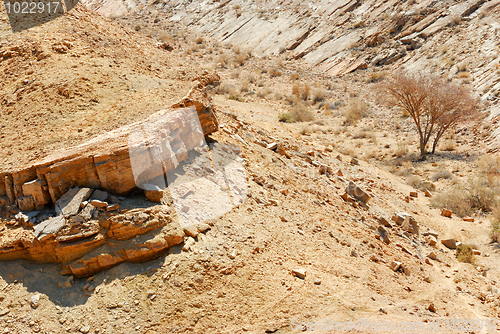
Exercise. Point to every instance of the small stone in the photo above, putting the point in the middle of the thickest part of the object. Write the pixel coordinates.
(413, 194)
(21, 217)
(85, 329)
(284, 192)
(410, 225)
(476, 252)
(4, 311)
(100, 195)
(450, 243)
(202, 227)
(232, 255)
(431, 240)
(35, 299)
(468, 219)
(432, 308)
(300, 273)
(384, 234)
(272, 146)
(355, 191)
(395, 265)
(153, 193)
(430, 232)
(98, 204)
(446, 213)
(432, 256)
(339, 173)
(113, 207)
(49, 227)
(191, 230)
(428, 193)
(188, 244)
(354, 161)
(317, 281)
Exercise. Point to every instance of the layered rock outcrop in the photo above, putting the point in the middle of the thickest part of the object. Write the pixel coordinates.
(155, 145)
(88, 240)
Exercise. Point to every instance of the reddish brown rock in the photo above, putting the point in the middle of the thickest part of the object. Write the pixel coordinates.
(446, 213)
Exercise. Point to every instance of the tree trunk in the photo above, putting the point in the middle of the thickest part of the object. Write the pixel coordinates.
(423, 153)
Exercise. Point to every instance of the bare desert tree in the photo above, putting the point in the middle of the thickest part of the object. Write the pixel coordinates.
(435, 105)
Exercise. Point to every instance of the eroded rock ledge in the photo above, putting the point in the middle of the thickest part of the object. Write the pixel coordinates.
(104, 162)
(86, 239)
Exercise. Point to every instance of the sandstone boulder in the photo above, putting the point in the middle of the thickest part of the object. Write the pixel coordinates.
(355, 191)
(450, 243)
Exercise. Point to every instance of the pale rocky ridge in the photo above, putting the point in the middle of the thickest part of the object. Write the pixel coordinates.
(341, 37)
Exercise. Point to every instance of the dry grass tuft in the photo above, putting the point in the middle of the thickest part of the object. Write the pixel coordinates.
(356, 110)
(464, 253)
(299, 113)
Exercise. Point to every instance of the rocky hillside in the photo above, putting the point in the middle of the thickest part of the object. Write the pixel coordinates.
(76, 77)
(341, 37)
(308, 203)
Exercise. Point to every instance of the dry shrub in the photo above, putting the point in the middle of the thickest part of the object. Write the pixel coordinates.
(448, 146)
(463, 75)
(417, 183)
(356, 110)
(376, 76)
(495, 231)
(299, 113)
(240, 59)
(266, 91)
(441, 174)
(464, 253)
(318, 95)
(223, 60)
(466, 198)
(165, 37)
(301, 91)
(236, 97)
(274, 72)
(489, 167)
(402, 149)
(495, 225)
(226, 88)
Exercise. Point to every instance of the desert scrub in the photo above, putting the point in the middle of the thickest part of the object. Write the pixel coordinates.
(356, 110)
(441, 174)
(466, 198)
(464, 253)
(495, 231)
(298, 113)
(417, 183)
